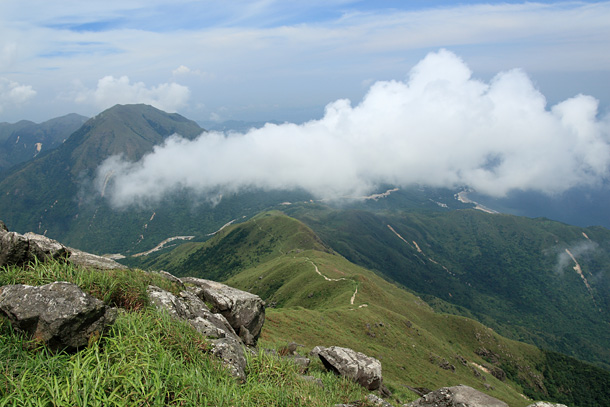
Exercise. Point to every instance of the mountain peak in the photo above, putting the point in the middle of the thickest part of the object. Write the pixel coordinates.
(130, 130)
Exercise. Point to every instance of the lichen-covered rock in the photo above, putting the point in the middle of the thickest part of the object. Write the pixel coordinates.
(316, 351)
(457, 396)
(231, 353)
(377, 401)
(357, 366)
(89, 260)
(17, 249)
(226, 345)
(244, 311)
(371, 400)
(169, 277)
(59, 314)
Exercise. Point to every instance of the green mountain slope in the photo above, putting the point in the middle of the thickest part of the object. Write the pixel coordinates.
(50, 193)
(54, 194)
(317, 297)
(535, 280)
(24, 140)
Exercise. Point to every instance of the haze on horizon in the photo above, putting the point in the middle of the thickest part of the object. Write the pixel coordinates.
(280, 60)
(496, 96)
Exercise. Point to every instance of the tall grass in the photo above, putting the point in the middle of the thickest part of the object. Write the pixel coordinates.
(150, 359)
(123, 288)
(147, 358)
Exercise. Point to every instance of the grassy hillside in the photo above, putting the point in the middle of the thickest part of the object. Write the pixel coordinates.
(317, 297)
(146, 359)
(514, 274)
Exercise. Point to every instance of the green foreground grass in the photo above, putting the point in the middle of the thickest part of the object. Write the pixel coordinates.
(146, 359)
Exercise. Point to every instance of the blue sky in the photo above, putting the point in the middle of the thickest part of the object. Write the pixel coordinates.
(280, 60)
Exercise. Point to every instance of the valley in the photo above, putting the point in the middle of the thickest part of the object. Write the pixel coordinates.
(275, 257)
(442, 290)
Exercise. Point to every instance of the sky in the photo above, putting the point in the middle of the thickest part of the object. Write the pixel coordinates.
(279, 60)
(496, 96)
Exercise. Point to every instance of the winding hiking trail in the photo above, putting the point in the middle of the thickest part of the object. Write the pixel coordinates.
(162, 244)
(351, 301)
(325, 278)
(222, 227)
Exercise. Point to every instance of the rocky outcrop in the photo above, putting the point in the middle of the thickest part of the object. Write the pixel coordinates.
(357, 366)
(17, 249)
(89, 260)
(457, 396)
(244, 311)
(226, 345)
(371, 400)
(59, 314)
(546, 404)
(169, 277)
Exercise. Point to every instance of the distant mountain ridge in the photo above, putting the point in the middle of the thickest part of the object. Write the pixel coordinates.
(54, 195)
(25, 140)
(48, 194)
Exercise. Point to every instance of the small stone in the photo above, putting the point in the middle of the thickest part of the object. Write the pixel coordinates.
(357, 366)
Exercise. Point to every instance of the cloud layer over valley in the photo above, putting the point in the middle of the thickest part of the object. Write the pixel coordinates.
(439, 127)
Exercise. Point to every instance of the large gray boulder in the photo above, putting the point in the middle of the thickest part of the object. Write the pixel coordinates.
(244, 311)
(457, 396)
(18, 249)
(89, 260)
(357, 366)
(226, 345)
(59, 314)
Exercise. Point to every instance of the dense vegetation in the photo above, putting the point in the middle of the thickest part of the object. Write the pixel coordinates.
(24, 140)
(277, 257)
(511, 273)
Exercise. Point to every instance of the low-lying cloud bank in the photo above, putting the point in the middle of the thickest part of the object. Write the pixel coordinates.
(440, 127)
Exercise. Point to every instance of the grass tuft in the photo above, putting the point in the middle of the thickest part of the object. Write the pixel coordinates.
(124, 288)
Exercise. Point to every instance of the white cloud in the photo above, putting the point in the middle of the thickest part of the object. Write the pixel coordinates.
(297, 55)
(12, 93)
(182, 70)
(111, 91)
(8, 53)
(440, 127)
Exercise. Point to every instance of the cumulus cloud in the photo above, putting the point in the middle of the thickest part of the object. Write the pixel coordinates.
(111, 91)
(12, 93)
(439, 127)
